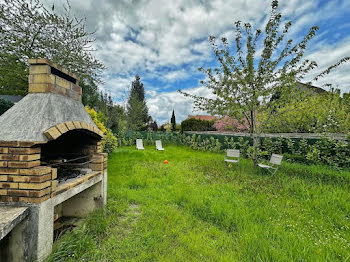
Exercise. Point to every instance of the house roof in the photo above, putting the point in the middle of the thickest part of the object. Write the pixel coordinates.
(310, 87)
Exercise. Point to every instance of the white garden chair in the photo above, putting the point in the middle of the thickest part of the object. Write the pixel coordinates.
(232, 156)
(139, 144)
(273, 165)
(159, 145)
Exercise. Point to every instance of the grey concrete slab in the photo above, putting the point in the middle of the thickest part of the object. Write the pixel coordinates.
(75, 190)
(10, 217)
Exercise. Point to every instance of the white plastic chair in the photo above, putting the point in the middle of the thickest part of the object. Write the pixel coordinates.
(273, 165)
(139, 144)
(232, 156)
(159, 145)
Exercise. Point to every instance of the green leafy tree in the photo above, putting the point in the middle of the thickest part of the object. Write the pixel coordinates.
(13, 74)
(116, 117)
(319, 113)
(29, 30)
(251, 86)
(173, 122)
(90, 95)
(115, 114)
(137, 111)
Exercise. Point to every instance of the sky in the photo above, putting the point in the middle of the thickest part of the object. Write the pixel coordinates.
(166, 41)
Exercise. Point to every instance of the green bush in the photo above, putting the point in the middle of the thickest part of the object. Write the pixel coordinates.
(5, 105)
(110, 142)
(193, 124)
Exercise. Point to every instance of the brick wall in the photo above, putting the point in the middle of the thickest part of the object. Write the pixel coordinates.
(42, 80)
(99, 162)
(22, 179)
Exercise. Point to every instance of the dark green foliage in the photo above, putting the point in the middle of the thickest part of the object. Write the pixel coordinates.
(5, 105)
(136, 114)
(90, 95)
(116, 118)
(114, 115)
(137, 111)
(154, 126)
(193, 124)
(173, 122)
(13, 74)
(243, 145)
(110, 142)
(137, 89)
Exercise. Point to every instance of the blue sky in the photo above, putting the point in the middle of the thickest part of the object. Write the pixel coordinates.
(166, 41)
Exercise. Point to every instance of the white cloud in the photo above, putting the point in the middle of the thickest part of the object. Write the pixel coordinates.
(166, 33)
(176, 75)
(145, 37)
(118, 87)
(326, 55)
(161, 104)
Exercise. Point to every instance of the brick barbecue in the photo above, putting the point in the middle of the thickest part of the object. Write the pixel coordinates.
(50, 155)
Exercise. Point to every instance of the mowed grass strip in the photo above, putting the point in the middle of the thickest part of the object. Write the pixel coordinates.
(197, 208)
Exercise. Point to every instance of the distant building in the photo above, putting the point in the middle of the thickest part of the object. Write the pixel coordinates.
(307, 87)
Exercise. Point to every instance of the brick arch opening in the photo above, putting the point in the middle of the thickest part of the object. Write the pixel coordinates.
(56, 131)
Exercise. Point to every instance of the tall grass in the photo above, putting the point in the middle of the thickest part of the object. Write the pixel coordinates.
(198, 208)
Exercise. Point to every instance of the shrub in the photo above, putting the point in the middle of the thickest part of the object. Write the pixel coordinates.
(193, 124)
(109, 142)
(5, 105)
(227, 123)
(98, 118)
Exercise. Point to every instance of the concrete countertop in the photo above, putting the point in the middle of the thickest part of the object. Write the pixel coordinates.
(10, 217)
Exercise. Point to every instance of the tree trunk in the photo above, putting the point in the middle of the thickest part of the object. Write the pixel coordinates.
(254, 137)
(255, 145)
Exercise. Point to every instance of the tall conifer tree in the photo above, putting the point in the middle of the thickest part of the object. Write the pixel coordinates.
(173, 122)
(136, 107)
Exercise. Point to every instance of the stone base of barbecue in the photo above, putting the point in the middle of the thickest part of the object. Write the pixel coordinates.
(77, 198)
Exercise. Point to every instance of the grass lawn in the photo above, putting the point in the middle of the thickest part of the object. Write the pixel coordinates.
(196, 208)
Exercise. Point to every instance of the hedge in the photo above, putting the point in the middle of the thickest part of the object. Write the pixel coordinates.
(310, 151)
(193, 124)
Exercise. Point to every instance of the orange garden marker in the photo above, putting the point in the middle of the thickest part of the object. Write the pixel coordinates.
(165, 161)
